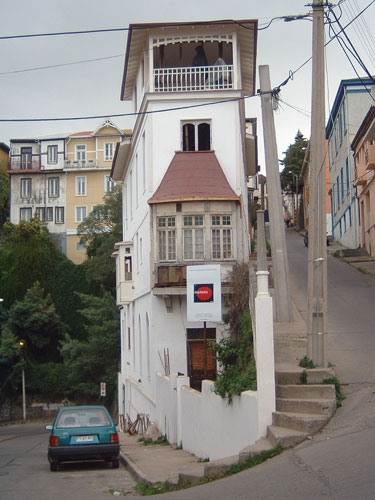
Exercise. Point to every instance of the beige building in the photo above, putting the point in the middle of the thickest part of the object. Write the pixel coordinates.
(363, 146)
(88, 165)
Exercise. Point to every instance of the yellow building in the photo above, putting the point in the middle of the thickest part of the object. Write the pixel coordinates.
(4, 156)
(88, 161)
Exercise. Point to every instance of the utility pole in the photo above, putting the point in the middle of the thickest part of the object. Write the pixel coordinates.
(317, 251)
(283, 310)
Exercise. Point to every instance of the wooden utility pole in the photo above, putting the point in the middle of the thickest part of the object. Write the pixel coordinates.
(317, 251)
(283, 310)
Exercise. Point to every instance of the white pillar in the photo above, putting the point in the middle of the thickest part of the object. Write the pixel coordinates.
(264, 354)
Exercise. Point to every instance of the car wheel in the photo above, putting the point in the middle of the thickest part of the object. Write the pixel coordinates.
(54, 466)
(115, 463)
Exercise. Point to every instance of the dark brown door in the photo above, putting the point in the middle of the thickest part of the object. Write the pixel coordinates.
(201, 366)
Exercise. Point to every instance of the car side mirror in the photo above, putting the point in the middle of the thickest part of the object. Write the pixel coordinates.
(49, 427)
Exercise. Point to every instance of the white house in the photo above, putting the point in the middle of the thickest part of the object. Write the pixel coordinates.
(184, 175)
(351, 104)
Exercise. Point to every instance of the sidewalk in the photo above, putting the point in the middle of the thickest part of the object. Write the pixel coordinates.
(363, 263)
(153, 463)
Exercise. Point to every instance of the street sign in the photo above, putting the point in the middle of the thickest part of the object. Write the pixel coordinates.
(103, 389)
(203, 293)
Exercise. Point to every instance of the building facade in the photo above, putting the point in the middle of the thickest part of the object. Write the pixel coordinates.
(59, 179)
(37, 183)
(184, 176)
(88, 162)
(351, 104)
(363, 146)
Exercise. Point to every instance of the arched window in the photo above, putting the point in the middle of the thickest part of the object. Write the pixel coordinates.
(196, 136)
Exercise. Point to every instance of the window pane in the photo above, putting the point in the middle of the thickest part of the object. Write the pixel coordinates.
(161, 221)
(172, 245)
(51, 154)
(198, 220)
(171, 221)
(49, 214)
(199, 244)
(162, 245)
(188, 139)
(188, 220)
(216, 244)
(204, 137)
(226, 220)
(188, 244)
(227, 248)
(215, 220)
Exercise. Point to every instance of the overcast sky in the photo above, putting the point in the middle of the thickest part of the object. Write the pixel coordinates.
(93, 88)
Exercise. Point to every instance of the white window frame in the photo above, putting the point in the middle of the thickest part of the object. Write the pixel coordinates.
(167, 238)
(53, 187)
(80, 213)
(52, 153)
(222, 230)
(81, 183)
(59, 215)
(193, 229)
(80, 152)
(196, 124)
(26, 187)
(40, 213)
(49, 214)
(109, 184)
(28, 211)
(109, 148)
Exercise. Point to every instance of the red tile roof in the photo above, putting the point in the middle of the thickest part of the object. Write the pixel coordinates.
(81, 133)
(193, 175)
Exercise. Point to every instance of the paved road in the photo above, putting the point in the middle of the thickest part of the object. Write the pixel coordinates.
(25, 474)
(337, 464)
(351, 312)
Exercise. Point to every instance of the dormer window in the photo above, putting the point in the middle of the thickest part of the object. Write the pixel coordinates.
(196, 136)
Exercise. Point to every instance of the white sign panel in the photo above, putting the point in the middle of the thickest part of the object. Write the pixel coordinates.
(203, 293)
(103, 389)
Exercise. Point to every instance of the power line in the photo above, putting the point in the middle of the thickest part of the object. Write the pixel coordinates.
(60, 65)
(118, 115)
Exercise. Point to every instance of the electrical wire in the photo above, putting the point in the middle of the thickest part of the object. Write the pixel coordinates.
(60, 65)
(118, 115)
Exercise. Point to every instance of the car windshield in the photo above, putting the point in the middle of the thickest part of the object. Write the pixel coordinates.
(95, 417)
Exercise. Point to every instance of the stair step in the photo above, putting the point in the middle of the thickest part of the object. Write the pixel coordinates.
(306, 391)
(263, 444)
(307, 406)
(288, 438)
(314, 376)
(308, 423)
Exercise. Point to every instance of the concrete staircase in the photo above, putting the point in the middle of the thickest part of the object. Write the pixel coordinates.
(301, 409)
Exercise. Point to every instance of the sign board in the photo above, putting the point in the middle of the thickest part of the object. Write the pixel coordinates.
(103, 389)
(203, 293)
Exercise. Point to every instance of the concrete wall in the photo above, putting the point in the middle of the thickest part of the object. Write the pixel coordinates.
(203, 422)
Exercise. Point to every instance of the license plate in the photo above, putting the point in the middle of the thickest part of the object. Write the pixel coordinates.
(84, 439)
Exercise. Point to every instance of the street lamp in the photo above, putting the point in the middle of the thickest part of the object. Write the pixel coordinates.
(21, 344)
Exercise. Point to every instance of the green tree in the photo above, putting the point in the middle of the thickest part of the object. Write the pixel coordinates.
(28, 254)
(9, 363)
(4, 197)
(93, 360)
(100, 231)
(34, 320)
(292, 162)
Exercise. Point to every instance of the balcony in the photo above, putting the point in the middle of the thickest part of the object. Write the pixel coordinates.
(192, 79)
(21, 164)
(80, 163)
(370, 158)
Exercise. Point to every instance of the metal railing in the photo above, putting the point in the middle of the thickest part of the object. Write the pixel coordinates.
(21, 164)
(193, 78)
(80, 163)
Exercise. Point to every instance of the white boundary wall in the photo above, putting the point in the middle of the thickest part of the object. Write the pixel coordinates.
(203, 422)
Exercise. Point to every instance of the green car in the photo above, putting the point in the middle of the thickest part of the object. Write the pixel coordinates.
(81, 433)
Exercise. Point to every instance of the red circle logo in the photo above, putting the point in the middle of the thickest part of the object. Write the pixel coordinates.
(204, 293)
